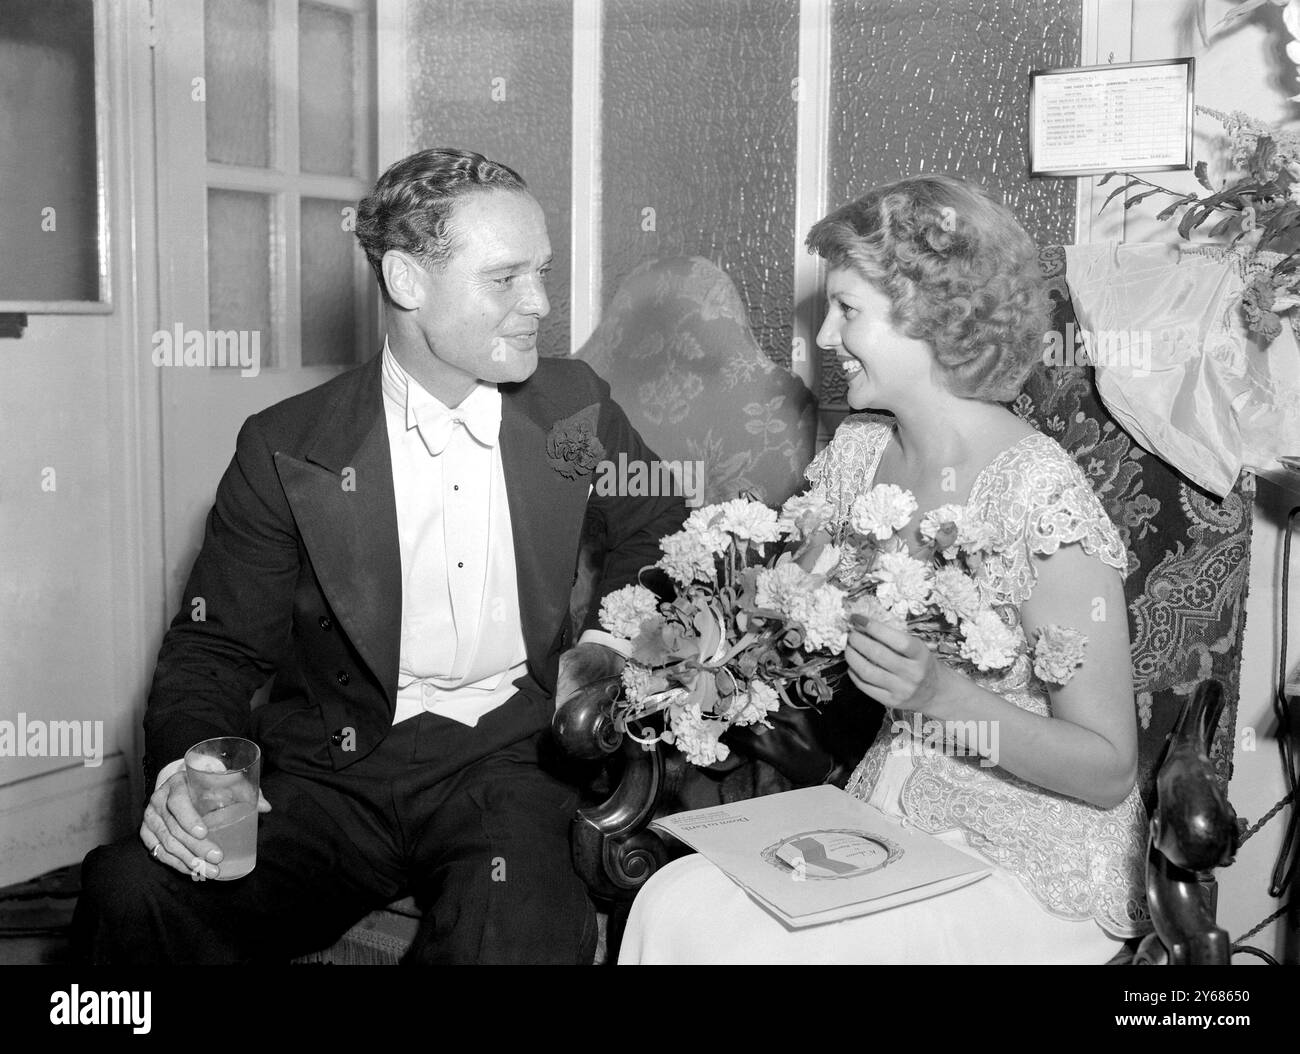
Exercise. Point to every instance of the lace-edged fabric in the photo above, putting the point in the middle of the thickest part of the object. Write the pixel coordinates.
(1039, 499)
(1079, 861)
(845, 468)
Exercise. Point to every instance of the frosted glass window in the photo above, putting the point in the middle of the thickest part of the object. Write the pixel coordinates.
(943, 86)
(238, 88)
(329, 296)
(698, 151)
(496, 77)
(239, 267)
(49, 220)
(327, 92)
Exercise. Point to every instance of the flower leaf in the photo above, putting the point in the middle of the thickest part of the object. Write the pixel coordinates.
(1120, 190)
(1170, 209)
(1263, 163)
(1222, 226)
(1193, 218)
(710, 633)
(1281, 219)
(1130, 202)
(1202, 175)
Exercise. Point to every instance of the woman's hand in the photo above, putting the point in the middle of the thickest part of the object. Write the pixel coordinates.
(897, 669)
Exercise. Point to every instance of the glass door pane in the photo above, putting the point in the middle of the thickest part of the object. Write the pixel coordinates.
(326, 90)
(237, 67)
(239, 268)
(329, 286)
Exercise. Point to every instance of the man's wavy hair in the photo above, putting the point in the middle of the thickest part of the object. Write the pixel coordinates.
(960, 272)
(412, 204)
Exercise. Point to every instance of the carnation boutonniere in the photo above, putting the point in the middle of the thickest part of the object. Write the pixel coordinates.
(573, 448)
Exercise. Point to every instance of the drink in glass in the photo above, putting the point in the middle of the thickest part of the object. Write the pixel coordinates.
(223, 775)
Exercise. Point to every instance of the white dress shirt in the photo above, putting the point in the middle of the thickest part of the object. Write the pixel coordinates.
(462, 645)
(462, 639)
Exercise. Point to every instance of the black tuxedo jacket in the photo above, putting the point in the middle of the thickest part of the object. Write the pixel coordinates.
(300, 573)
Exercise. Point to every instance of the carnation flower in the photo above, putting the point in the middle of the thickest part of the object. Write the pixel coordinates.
(869, 607)
(988, 642)
(705, 525)
(696, 737)
(1058, 653)
(852, 570)
(778, 586)
(807, 513)
(753, 706)
(955, 594)
(636, 682)
(750, 520)
(904, 583)
(688, 557)
(975, 535)
(821, 612)
(934, 521)
(882, 511)
(623, 611)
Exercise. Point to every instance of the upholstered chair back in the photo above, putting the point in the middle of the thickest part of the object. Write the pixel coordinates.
(1189, 552)
(676, 347)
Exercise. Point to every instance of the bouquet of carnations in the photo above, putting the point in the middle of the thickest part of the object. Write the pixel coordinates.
(762, 604)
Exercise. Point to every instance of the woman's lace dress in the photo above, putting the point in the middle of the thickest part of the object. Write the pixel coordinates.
(1067, 876)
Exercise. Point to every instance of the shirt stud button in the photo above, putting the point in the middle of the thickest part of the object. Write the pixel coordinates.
(459, 564)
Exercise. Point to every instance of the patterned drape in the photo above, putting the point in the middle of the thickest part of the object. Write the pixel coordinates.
(676, 346)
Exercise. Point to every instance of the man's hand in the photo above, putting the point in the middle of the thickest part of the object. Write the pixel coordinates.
(174, 834)
(584, 664)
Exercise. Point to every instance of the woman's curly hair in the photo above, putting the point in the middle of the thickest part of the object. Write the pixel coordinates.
(960, 272)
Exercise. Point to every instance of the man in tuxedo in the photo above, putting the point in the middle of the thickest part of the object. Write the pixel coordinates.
(397, 547)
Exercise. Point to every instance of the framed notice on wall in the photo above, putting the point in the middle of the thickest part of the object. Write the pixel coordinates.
(53, 200)
(1124, 117)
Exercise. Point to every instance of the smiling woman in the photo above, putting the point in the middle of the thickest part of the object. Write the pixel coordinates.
(935, 294)
(941, 264)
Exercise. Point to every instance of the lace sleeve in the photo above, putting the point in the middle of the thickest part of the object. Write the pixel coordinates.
(1042, 500)
(846, 467)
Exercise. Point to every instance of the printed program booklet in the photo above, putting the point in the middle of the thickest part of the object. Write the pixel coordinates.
(820, 855)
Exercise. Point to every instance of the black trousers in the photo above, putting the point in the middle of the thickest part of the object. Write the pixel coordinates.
(469, 822)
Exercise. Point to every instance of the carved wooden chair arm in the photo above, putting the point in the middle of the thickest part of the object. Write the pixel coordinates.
(1193, 831)
(614, 851)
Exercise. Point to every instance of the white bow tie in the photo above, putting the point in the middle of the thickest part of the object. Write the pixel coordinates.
(436, 424)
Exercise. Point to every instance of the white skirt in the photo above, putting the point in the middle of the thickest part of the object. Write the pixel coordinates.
(690, 912)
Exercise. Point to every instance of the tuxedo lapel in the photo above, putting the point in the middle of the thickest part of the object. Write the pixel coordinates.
(341, 493)
(546, 513)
